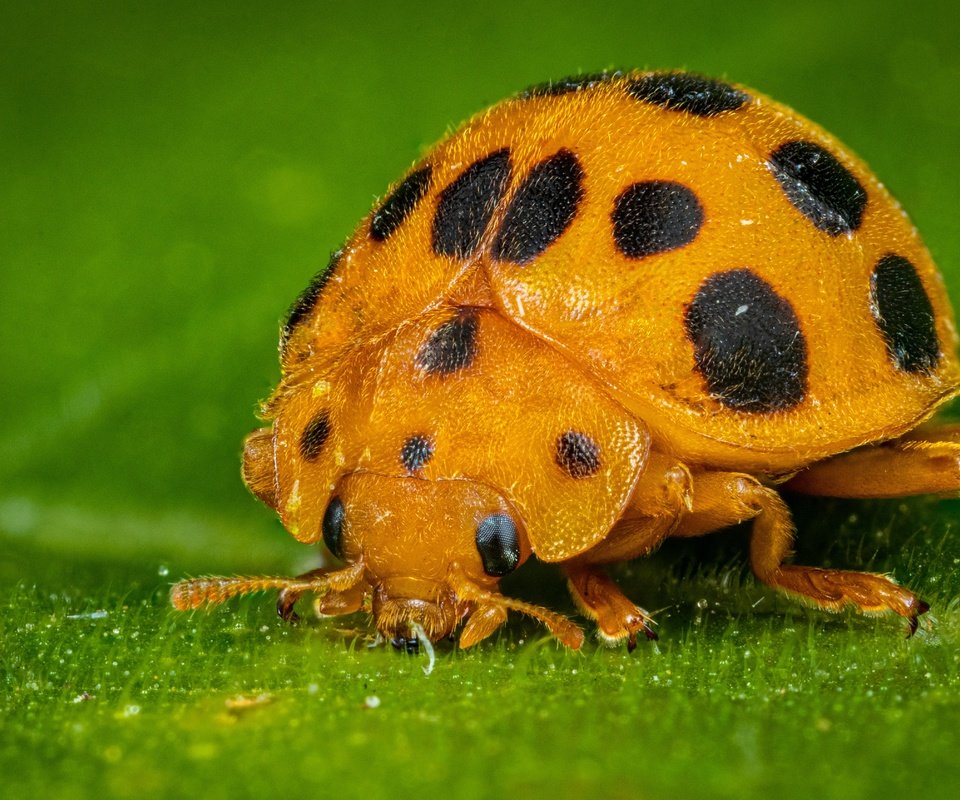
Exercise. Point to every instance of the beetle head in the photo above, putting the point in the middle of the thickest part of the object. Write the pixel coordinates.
(422, 555)
(423, 546)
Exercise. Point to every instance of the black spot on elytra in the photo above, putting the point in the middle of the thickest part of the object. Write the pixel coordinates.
(694, 94)
(654, 217)
(450, 347)
(577, 454)
(904, 315)
(747, 343)
(305, 303)
(574, 83)
(819, 186)
(542, 209)
(416, 452)
(498, 544)
(315, 436)
(466, 205)
(400, 204)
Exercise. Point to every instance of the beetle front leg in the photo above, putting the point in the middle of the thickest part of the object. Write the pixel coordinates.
(598, 597)
(490, 611)
(288, 597)
(343, 600)
(662, 496)
(482, 623)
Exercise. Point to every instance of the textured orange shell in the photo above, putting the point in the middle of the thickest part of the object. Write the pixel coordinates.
(583, 337)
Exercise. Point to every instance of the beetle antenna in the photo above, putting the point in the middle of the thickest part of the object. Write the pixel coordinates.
(196, 592)
(212, 591)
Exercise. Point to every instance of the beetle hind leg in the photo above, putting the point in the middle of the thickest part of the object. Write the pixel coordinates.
(926, 461)
(829, 589)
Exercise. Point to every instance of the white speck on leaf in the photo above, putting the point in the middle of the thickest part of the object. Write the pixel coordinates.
(101, 614)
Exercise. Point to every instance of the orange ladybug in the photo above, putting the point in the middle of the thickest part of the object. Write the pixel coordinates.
(610, 310)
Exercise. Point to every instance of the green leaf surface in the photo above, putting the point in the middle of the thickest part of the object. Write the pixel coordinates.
(172, 176)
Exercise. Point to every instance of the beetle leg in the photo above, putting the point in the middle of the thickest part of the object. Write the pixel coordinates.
(482, 623)
(288, 597)
(329, 603)
(343, 601)
(726, 498)
(465, 590)
(662, 496)
(599, 598)
(924, 462)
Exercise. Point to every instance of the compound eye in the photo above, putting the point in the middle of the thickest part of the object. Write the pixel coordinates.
(333, 527)
(498, 545)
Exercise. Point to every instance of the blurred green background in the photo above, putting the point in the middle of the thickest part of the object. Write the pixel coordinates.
(172, 175)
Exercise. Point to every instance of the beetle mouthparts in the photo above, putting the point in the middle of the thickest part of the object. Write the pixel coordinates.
(410, 645)
(404, 621)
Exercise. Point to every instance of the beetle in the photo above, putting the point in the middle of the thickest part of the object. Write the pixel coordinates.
(610, 310)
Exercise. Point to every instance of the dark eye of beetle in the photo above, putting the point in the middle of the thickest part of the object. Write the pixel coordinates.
(498, 545)
(333, 527)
